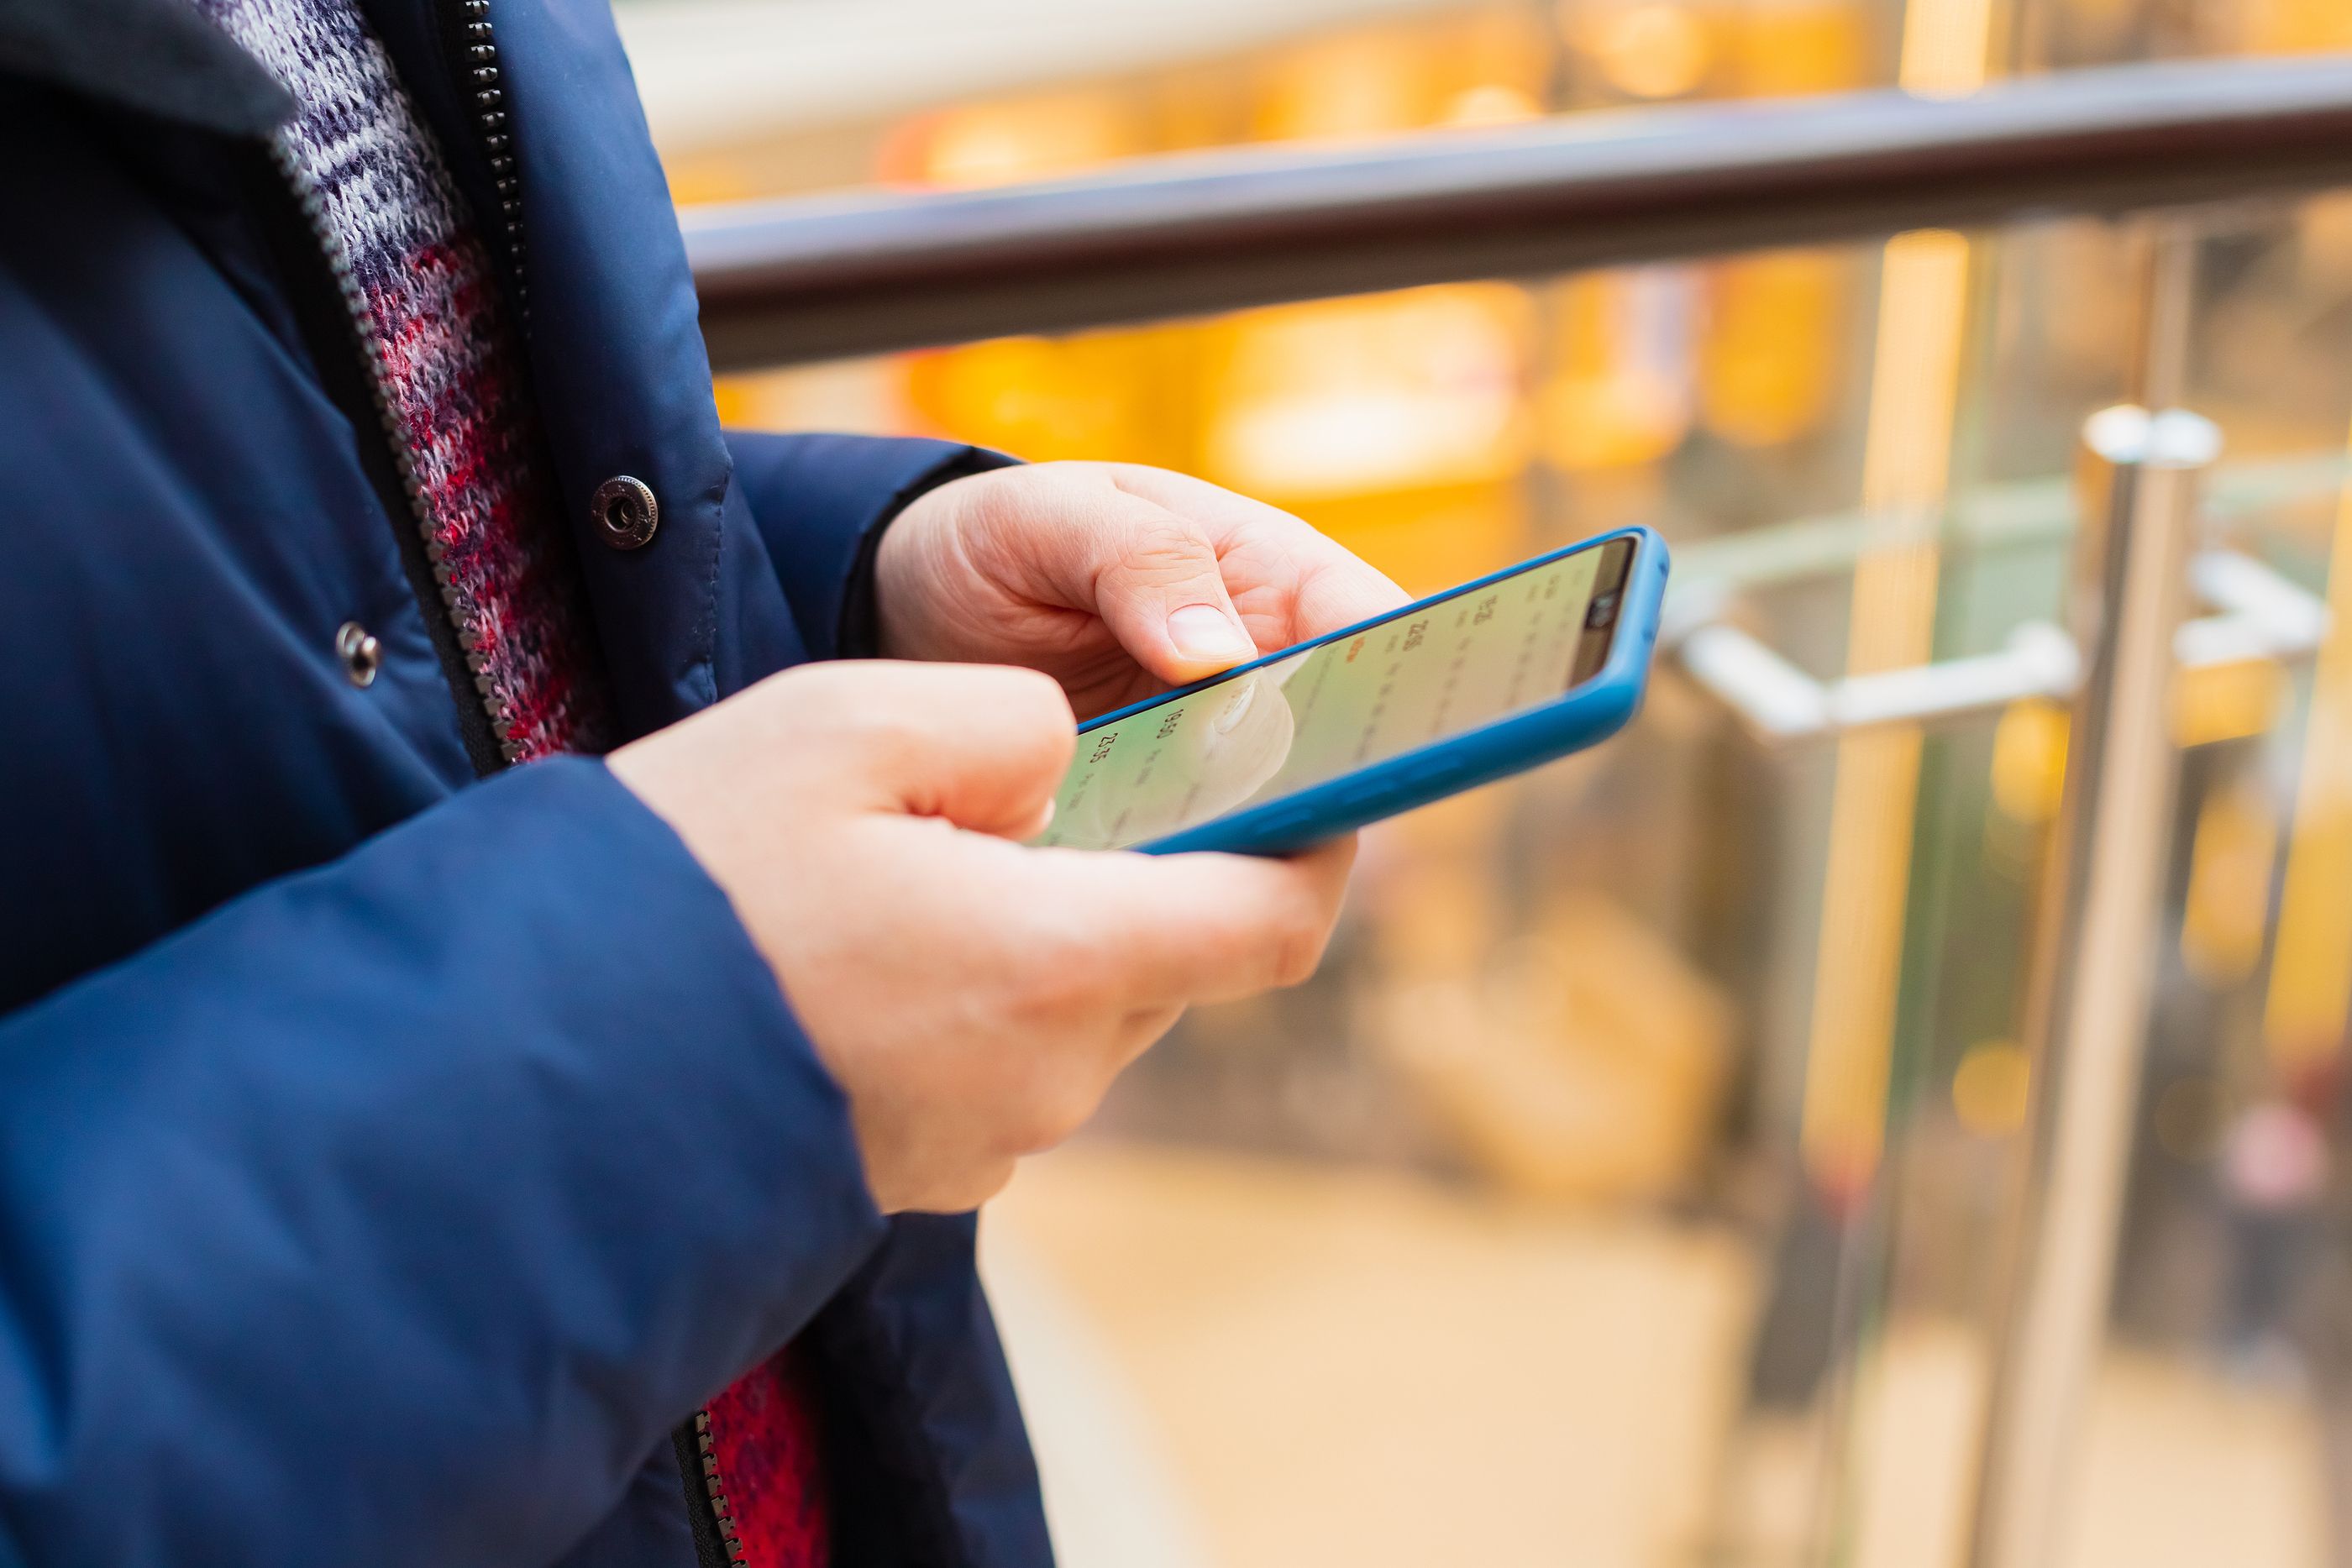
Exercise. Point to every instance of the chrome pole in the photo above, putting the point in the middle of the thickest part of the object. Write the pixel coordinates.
(2097, 922)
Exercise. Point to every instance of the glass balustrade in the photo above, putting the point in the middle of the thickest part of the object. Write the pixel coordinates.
(1630, 1185)
(1641, 1181)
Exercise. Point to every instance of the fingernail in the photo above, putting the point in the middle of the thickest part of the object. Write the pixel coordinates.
(1206, 633)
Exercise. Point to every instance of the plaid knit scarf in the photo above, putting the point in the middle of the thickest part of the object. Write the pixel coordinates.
(455, 399)
(448, 369)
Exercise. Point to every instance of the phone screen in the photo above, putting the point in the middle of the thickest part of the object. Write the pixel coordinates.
(1428, 673)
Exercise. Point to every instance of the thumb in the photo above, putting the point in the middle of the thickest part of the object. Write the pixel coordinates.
(982, 746)
(1161, 589)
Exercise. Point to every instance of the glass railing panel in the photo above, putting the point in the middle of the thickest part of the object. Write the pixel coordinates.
(2229, 1277)
(1632, 1186)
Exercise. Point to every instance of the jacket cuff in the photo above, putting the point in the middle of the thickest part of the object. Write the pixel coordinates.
(819, 503)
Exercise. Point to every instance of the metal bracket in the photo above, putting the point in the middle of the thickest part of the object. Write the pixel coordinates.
(2256, 614)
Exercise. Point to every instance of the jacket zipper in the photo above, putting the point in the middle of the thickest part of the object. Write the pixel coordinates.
(721, 1517)
(486, 102)
(710, 1516)
(403, 457)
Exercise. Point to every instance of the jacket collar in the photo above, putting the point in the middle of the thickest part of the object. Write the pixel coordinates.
(623, 384)
(158, 57)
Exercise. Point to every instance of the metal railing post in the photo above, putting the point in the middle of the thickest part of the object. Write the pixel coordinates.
(2097, 922)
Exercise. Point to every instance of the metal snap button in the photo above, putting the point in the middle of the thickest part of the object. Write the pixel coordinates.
(361, 654)
(625, 511)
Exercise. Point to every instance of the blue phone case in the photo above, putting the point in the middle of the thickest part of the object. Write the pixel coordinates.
(1591, 712)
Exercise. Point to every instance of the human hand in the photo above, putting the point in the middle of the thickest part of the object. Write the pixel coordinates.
(1116, 579)
(973, 997)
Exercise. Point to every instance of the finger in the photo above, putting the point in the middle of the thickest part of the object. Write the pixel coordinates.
(982, 746)
(1153, 576)
(1180, 929)
(1292, 584)
(1289, 580)
(1161, 589)
(1338, 589)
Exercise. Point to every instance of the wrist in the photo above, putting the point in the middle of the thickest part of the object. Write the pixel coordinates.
(900, 554)
(907, 554)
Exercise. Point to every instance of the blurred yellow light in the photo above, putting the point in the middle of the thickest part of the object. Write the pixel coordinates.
(697, 181)
(2295, 26)
(1945, 46)
(1766, 359)
(1492, 103)
(1619, 392)
(2231, 856)
(1793, 47)
(1432, 538)
(2303, 1016)
(1906, 463)
(1655, 49)
(1508, 42)
(864, 396)
(2226, 702)
(1023, 139)
(2101, 12)
(732, 396)
(2029, 762)
(1357, 84)
(1114, 394)
(1613, 420)
(1992, 1088)
(1354, 397)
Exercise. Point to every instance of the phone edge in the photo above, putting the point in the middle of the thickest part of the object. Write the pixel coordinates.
(1579, 719)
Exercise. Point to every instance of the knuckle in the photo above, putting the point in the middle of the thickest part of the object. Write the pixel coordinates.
(1056, 1107)
(987, 1183)
(1069, 1106)
(1015, 705)
(822, 713)
(1030, 1131)
(1161, 551)
(889, 732)
(1059, 987)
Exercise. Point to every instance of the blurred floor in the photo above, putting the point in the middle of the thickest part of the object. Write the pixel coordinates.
(1251, 1363)
(1356, 1367)
(2182, 1468)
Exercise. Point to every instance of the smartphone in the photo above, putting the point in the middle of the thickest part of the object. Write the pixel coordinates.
(1459, 689)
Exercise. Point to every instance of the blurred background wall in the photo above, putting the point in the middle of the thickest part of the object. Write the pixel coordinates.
(1626, 1190)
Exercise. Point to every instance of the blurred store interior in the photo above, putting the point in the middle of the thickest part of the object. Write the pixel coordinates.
(1627, 1190)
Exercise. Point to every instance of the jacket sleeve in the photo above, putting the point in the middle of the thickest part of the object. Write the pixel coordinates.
(367, 1221)
(816, 500)
(939, 1467)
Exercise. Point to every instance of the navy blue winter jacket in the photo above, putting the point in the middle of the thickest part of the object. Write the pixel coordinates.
(390, 1159)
